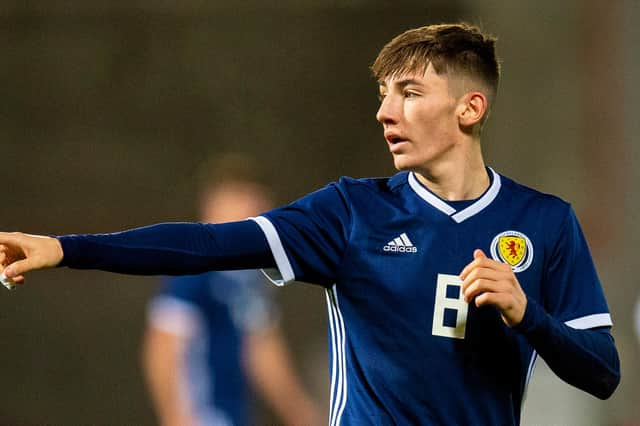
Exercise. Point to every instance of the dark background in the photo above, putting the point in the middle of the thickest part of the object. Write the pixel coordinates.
(107, 108)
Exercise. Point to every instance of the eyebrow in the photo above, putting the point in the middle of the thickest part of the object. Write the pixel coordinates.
(402, 83)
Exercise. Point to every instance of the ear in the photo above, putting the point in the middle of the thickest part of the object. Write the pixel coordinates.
(473, 107)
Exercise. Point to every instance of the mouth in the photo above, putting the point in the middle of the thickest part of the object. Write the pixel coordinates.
(395, 141)
(394, 137)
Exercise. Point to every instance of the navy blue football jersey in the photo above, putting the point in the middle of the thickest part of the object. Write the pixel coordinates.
(212, 312)
(404, 346)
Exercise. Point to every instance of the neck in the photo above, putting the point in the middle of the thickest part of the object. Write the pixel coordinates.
(457, 179)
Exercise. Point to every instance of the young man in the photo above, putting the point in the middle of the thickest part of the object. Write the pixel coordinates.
(443, 282)
(210, 336)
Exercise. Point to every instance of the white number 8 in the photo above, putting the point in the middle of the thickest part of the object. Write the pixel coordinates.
(447, 305)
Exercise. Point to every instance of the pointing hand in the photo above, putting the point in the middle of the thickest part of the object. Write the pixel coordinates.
(21, 253)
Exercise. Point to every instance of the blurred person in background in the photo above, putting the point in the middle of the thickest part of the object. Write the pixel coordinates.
(443, 282)
(210, 334)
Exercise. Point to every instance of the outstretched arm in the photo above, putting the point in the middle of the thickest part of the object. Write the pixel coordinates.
(167, 249)
(586, 359)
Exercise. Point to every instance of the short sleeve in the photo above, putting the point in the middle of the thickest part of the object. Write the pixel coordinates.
(309, 236)
(573, 293)
(177, 309)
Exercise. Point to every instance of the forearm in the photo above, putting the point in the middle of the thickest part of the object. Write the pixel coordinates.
(586, 359)
(170, 249)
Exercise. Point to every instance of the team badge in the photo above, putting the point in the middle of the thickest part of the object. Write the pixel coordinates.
(513, 248)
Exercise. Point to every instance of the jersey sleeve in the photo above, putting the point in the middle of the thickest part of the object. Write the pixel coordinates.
(177, 309)
(309, 236)
(573, 293)
(170, 249)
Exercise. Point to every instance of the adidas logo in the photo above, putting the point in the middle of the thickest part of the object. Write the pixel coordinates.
(401, 244)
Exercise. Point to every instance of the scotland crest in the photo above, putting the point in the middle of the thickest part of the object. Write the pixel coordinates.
(513, 248)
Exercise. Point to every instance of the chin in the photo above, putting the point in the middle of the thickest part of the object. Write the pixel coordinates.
(403, 164)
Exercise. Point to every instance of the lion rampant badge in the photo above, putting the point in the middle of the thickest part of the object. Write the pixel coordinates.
(513, 248)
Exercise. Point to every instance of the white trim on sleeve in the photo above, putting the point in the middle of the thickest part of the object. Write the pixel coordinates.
(284, 274)
(590, 321)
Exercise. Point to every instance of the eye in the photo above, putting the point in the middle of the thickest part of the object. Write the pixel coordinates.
(410, 94)
(381, 96)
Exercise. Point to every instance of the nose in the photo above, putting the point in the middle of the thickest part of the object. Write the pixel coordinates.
(388, 113)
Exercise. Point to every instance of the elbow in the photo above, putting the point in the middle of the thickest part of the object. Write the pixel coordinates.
(610, 372)
(607, 390)
(608, 385)
(610, 378)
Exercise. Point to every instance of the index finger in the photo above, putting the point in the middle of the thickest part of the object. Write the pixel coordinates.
(8, 238)
(480, 262)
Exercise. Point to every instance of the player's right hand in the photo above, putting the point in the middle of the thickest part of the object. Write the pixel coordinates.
(21, 253)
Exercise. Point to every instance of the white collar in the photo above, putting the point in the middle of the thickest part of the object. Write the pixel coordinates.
(442, 205)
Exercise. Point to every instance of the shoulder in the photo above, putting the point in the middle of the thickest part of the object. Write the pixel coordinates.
(348, 192)
(373, 185)
(540, 201)
(548, 217)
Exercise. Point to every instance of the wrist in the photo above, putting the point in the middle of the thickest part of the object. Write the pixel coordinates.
(533, 315)
(59, 252)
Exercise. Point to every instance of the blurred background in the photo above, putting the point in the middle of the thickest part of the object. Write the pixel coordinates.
(107, 108)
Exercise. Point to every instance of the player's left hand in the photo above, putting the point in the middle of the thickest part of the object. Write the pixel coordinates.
(489, 282)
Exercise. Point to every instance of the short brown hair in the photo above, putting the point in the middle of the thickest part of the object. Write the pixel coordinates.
(451, 48)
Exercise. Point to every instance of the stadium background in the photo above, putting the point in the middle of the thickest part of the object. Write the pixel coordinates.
(107, 108)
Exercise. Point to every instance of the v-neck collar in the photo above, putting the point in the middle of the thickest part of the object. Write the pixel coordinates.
(464, 214)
